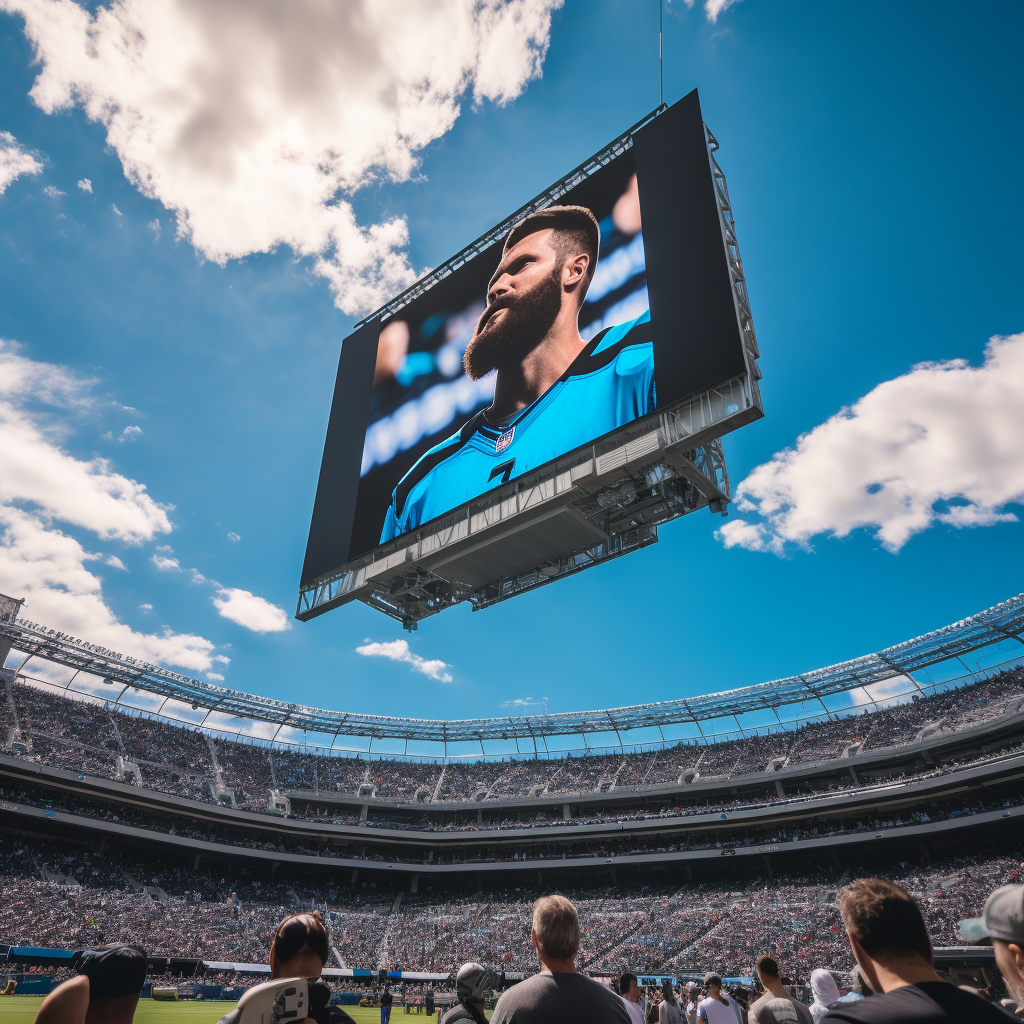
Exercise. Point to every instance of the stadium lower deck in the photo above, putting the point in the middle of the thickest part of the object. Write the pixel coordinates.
(667, 924)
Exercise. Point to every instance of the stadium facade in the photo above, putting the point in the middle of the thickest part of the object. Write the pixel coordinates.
(91, 765)
(912, 764)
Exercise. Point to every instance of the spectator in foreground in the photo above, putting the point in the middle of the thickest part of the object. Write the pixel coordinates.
(718, 1007)
(471, 984)
(669, 1011)
(825, 992)
(765, 1010)
(890, 942)
(630, 994)
(654, 1009)
(105, 991)
(300, 949)
(691, 1011)
(558, 993)
(1002, 922)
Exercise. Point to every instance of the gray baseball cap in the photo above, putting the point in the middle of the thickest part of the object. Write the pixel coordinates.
(1002, 918)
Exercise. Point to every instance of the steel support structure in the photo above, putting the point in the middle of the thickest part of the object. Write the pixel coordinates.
(992, 626)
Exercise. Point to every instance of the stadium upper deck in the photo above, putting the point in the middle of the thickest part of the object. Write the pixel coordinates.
(110, 676)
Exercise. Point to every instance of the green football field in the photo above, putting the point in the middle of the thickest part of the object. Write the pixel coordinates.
(22, 1010)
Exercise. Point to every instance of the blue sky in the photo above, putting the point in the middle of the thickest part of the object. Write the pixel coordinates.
(872, 152)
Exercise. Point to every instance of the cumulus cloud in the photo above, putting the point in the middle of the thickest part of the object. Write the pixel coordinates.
(85, 184)
(33, 469)
(941, 444)
(114, 562)
(398, 650)
(256, 123)
(14, 161)
(41, 486)
(148, 608)
(52, 192)
(233, 537)
(255, 613)
(154, 226)
(713, 8)
(166, 564)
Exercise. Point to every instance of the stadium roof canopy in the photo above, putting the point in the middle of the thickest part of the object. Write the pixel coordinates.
(1001, 622)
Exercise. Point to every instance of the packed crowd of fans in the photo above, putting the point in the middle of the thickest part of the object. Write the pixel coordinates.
(93, 739)
(715, 834)
(172, 908)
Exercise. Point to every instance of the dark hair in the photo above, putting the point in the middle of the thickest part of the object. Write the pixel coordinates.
(768, 965)
(626, 978)
(576, 231)
(298, 932)
(113, 970)
(884, 918)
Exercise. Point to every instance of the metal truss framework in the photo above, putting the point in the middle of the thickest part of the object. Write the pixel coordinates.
(1004, 621)
(641, 477)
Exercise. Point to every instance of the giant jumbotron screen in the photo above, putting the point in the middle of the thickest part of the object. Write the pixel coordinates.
(606, 305)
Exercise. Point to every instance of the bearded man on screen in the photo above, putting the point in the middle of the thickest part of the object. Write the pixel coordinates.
(553, 391)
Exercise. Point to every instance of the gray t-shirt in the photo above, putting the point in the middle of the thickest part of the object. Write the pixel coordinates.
(559, 999)
(770, 1009)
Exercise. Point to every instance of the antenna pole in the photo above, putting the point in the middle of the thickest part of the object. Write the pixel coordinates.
(661, 57)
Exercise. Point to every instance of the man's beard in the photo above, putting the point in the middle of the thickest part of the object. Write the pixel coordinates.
(509, 339)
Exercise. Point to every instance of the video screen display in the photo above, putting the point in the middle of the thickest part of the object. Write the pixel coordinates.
(608, 304)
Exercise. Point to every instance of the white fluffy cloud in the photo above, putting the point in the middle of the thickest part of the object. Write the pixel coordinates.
(85, 184)
(35, 470)
(940, 444)
(256, 122)
(41, 485)
(713, 8)
(398, 650)
(255, 613)
(14, 161)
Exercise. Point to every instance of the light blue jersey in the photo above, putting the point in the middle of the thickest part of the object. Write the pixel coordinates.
(609, 384)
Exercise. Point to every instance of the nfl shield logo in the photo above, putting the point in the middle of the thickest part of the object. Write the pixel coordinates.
(504, 440)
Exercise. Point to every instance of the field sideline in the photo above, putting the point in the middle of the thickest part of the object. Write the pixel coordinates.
(22, 1010)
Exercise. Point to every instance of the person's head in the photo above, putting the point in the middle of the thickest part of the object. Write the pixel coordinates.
(1002, 922)
(628, 987)
(768, 970)
(694, 993)
(299, 949)
(713, 984)
(546, 267)
(885, 926)
(824, 987)
(667, 992)
(556, 929)
(472, 982)
(116, 974)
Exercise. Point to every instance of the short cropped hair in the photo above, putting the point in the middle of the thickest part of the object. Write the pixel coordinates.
(576, 231)
(768, 965)
(884, 918)
(626, 978)
(557, 926)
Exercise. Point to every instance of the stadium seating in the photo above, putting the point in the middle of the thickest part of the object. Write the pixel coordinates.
(90, 738)
(228, 913)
